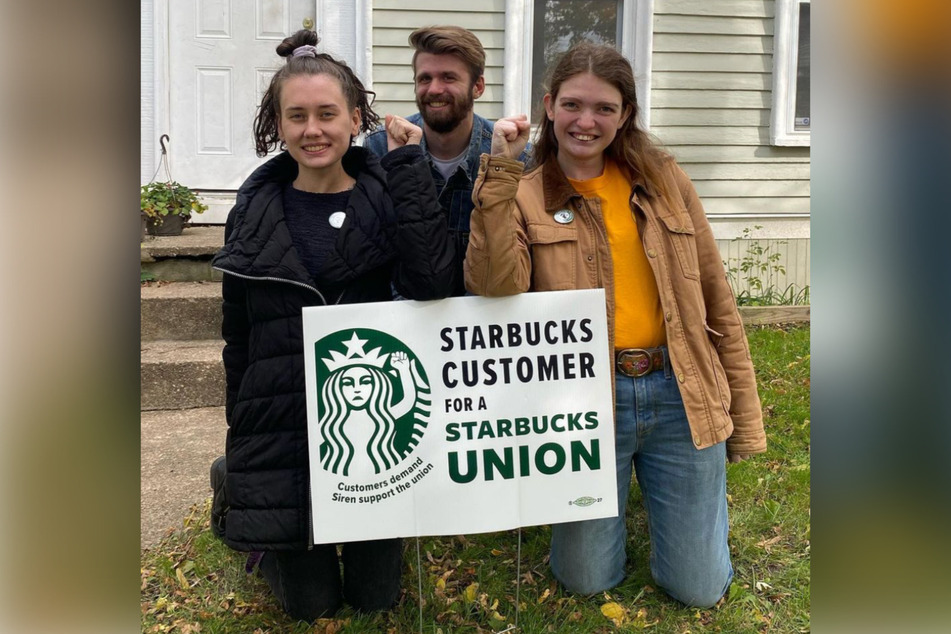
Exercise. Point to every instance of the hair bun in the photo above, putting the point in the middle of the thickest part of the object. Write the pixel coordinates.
(304, 37)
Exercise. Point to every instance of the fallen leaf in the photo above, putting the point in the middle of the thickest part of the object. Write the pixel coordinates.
(766, 543)
(615, 612)
(762, 585)
(545, 595)
(182, 581)
(470, 592)
(496, 552)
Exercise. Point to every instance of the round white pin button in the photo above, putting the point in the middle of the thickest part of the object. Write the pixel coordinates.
(564, 216)
(336, 219)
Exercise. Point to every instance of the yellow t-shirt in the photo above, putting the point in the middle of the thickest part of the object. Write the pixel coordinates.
(638, 318)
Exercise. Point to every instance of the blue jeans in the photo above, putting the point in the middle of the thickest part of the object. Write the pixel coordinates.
(684, 491)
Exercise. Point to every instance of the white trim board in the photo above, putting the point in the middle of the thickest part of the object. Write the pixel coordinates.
(154, 118)
(785, 56)
(637, 35)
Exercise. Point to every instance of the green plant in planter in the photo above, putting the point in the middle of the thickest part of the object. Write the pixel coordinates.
(754, 276)
(163, 199)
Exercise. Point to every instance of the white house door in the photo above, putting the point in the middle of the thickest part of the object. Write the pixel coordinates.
(221, 55)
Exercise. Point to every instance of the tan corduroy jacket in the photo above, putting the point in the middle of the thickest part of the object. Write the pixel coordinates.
(517, 246)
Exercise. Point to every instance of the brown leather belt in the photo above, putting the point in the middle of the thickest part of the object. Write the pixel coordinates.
(635, 362)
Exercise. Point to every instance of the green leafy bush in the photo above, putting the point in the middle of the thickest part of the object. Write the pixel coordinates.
(162, 199)
(755, 276)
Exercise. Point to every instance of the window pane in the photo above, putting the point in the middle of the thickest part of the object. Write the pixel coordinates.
(561, 23)
(802, 121)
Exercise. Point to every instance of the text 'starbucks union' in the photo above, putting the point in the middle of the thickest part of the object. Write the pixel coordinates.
(516, 363)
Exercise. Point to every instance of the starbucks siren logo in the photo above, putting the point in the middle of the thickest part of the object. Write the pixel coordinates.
(374, 404)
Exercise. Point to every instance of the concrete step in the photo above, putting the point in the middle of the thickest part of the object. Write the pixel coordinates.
(181, 374)
(184, 258)
(180, 311)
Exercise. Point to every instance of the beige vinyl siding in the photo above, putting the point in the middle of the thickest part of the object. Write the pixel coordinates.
(719, 8)
(394, 20)
(711, 98)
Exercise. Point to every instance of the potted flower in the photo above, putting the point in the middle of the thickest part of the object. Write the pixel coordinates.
(168, 206)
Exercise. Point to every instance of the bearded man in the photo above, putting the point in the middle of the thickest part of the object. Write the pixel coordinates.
(449, 75)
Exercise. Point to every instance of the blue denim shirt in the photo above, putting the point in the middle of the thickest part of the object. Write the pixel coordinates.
(455, 193)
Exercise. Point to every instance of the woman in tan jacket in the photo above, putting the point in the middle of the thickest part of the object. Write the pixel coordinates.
(603, 207)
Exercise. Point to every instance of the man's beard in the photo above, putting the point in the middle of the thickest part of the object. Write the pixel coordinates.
(448, 119)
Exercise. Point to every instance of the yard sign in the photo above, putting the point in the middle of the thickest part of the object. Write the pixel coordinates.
(463, 415)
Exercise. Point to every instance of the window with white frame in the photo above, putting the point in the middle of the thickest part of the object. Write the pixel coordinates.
(538, 30)
(791, 121)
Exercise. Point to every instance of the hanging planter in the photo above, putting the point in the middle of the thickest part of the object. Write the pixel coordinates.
(165, 225)
(166, 207)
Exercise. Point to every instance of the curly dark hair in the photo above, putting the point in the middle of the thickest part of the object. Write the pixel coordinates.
(266, 136)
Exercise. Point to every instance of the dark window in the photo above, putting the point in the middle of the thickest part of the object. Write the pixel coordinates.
(802, 119)
(561, 23)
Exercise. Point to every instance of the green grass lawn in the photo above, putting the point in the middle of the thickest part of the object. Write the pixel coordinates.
(191, 582)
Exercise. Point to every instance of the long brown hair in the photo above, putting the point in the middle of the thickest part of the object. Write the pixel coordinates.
(632, 147)
(269, 112)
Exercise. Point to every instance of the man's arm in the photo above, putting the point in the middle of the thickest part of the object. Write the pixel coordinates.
(375, 141)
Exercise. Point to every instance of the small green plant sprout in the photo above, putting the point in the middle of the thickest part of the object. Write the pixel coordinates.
(162, 199)
(755, 275)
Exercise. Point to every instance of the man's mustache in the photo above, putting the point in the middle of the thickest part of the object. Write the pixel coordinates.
(444, 99)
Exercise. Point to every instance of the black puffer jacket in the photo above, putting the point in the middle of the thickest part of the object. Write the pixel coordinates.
(394, 233)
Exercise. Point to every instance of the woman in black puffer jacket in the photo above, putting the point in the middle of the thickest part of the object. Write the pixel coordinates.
(322, 223)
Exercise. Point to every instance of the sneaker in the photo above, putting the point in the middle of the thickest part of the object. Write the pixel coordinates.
(219, 499)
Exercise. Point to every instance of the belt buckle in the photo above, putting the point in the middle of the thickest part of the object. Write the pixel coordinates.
(634, 362)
